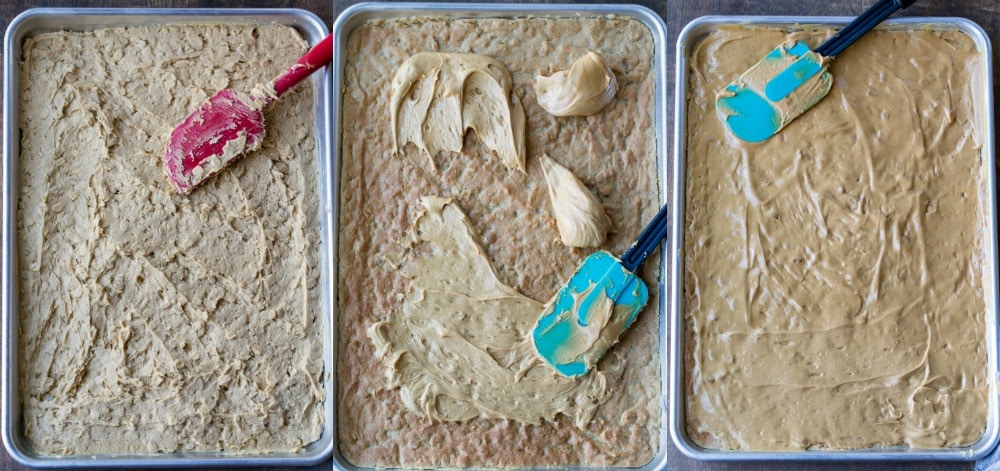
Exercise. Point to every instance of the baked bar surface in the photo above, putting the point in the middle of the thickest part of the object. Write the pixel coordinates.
(613, 152)
(150, 321)
(834, 275)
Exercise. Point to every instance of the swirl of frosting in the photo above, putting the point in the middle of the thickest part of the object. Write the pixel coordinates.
(437, 96)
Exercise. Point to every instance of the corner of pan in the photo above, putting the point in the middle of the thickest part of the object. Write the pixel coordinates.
(651, 19)
(340, 463)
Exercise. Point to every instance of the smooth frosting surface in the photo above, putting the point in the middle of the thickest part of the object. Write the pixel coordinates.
(834, 286)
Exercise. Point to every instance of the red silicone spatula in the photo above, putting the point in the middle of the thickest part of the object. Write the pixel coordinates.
(230, 124)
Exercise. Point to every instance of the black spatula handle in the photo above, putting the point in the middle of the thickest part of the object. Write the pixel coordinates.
(861, 25)
(647, 241)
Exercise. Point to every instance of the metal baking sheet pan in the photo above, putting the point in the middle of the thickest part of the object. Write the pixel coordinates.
(982, 85)
(78, 19)
(358, 14)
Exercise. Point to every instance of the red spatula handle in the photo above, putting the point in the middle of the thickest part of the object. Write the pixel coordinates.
(315, 59)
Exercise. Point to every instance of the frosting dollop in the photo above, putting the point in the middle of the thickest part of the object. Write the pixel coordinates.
(580, 216)
(437, 96)
(586, 88)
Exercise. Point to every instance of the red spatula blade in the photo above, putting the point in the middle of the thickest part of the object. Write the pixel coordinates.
(230, 124)
(221, 130)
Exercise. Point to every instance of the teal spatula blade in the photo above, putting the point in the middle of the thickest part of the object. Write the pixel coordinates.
(588, 314)
(595, 307)
(783, 85)
(790, 79)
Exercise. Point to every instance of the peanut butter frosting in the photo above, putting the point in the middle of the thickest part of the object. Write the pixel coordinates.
(460, 347)
(149, 321)
(580, 217)
(586, 88)
(834, 275)
(437, 96)
(834, 286)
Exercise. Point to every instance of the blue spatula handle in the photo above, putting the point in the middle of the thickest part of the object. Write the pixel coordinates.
(860, 26)
(647, 241)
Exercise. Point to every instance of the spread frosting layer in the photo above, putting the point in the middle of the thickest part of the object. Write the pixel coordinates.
(834, 286)
(437, 96)
(460, 347)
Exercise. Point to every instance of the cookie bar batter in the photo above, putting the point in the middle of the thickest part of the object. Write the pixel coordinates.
(149, 321)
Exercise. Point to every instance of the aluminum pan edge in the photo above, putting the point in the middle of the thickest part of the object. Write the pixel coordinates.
(678, 432)
(351, 17)
(313, 29)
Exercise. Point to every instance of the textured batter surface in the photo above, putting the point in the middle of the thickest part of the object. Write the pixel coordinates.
(613, 152)
(834, 284)
(149, 321)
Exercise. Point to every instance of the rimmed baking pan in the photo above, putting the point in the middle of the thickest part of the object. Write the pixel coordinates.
(37, 21)
(982, 109)
(357, 15)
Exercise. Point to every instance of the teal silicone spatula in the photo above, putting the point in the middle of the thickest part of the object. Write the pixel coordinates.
(600, 301)
(790, 79)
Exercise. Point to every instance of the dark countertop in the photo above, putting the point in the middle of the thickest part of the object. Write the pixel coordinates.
(676, 13)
